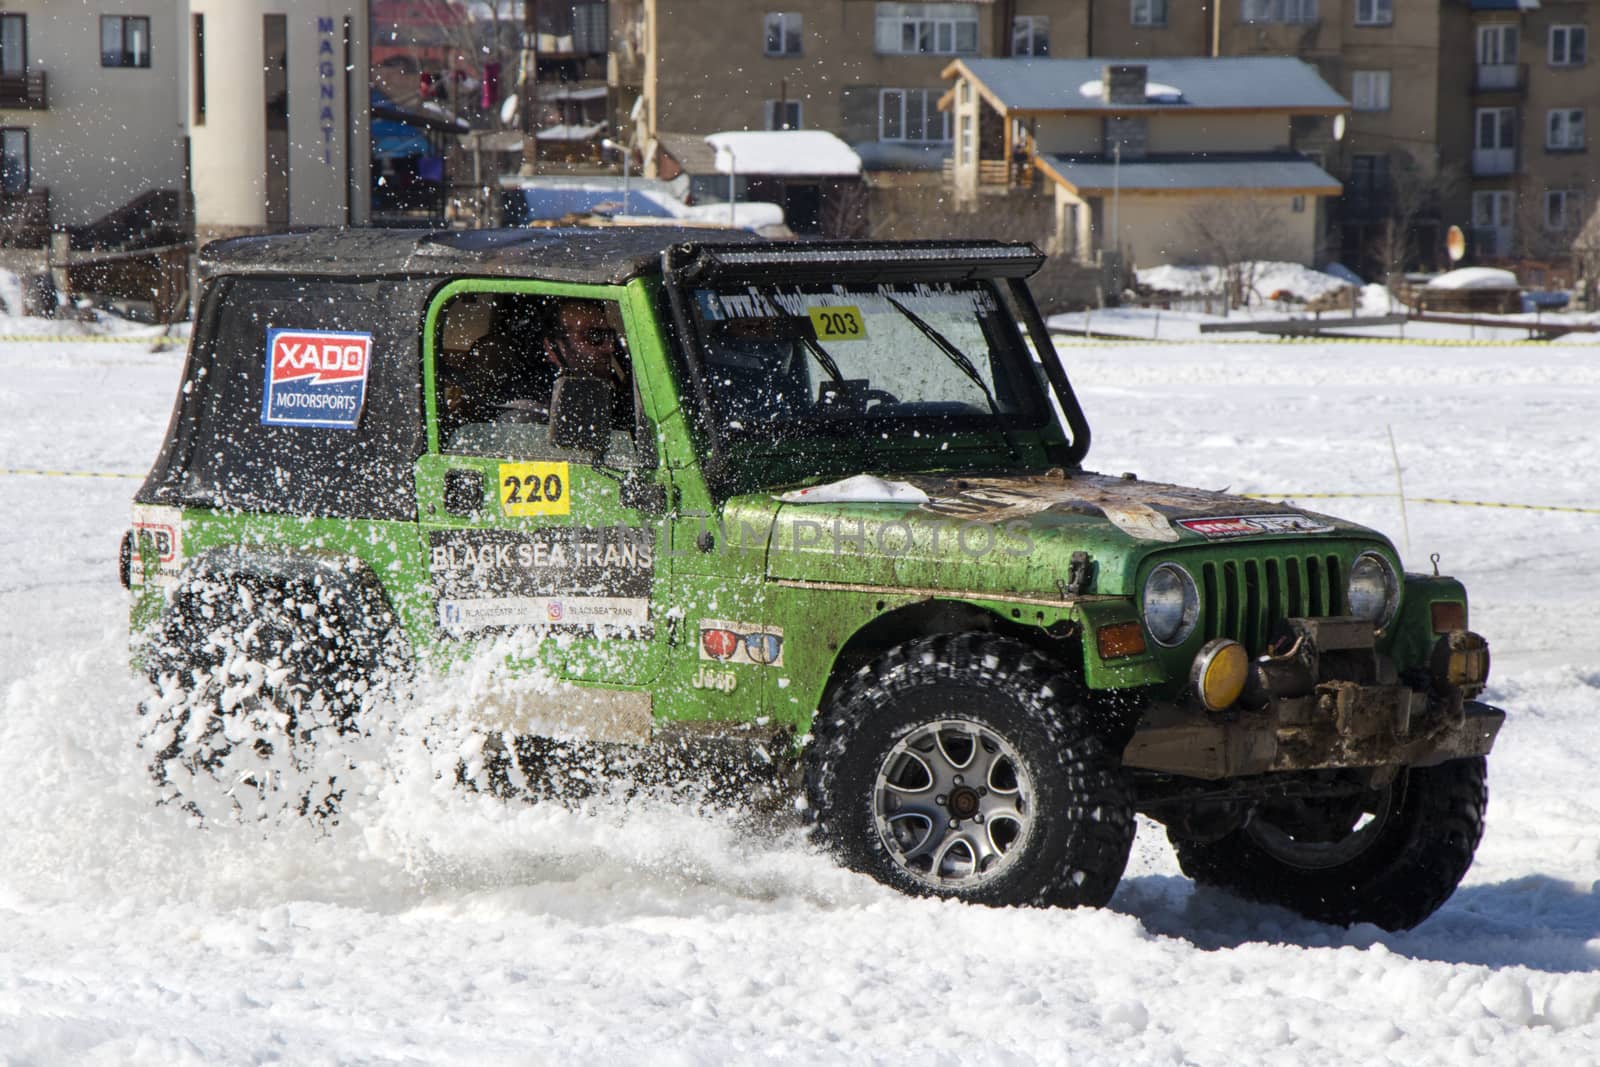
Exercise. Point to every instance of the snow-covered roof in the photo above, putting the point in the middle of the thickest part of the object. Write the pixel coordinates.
(565, 132)
(812, 153)
(1231, 83)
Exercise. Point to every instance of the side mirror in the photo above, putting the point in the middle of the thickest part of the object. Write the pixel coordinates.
(580, 413)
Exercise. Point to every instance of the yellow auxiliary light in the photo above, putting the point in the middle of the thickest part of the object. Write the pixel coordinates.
(1219, 674)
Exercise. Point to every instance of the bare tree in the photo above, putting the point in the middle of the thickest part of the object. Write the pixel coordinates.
(1236, 234)
(1414, 198)
(1585, 250)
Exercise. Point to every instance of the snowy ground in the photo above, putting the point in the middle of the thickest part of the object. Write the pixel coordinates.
(435, 927)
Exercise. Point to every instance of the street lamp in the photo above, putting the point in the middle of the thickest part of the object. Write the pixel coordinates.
(733, 189)
(627, 166)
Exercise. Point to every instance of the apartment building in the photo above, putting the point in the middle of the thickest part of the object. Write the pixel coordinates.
(224, 115)
(866, 71)
(1533, 182)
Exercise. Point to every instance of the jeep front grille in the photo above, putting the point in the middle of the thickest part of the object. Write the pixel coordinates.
(1246, 599)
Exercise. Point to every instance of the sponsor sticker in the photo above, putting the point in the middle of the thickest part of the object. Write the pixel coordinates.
(566, 577)
(1225, 527)
(535, 488)
(741, 642)
(476, 615)
(316, 378)
(158, 536)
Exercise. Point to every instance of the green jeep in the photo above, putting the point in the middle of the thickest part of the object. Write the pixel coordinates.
(822, 500)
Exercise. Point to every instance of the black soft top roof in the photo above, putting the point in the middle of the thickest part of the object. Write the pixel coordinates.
(599, 256)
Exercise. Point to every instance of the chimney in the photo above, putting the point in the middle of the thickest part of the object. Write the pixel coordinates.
(1123, 83)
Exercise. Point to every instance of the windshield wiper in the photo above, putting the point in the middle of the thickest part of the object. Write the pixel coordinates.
(964, 365)
(821, 355)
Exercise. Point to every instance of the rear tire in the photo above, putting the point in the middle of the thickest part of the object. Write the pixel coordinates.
(965, 766)
(253, 677)
(1392, 858)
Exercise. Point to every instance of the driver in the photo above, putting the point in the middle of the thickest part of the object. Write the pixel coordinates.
(587, 344)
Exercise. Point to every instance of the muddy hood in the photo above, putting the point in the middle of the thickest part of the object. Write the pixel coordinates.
(1014, 534)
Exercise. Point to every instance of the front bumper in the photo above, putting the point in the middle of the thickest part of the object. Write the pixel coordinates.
(1330, 701)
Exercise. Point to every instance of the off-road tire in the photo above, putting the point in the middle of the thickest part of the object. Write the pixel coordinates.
(251, 675)
(1075, 843)
(1407, 869)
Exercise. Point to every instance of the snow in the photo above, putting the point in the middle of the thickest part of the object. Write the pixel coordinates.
(1270, 277)
(1160, 92)
(434, 925)
(1475, 278)
(793, 152)
(860, 488)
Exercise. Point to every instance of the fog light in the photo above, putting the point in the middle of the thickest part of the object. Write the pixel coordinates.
(1119, 640)
(1219, 674)
(1460, 660)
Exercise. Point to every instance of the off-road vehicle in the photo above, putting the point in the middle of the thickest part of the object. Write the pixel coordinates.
(824, 497)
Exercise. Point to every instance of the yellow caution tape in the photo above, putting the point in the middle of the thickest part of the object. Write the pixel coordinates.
(1068, 341)
(41, 473)
(98, 338)
(1422, 500)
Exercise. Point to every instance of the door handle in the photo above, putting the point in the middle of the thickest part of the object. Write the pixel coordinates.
(463, 491)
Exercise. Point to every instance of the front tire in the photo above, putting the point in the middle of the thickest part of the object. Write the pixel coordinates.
(1390, 857)
(966, 766)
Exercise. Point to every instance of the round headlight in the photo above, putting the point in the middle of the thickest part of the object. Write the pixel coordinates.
(1171, 604)
(1374, 590)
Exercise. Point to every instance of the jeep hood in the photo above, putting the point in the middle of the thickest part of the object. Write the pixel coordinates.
(1008, 534)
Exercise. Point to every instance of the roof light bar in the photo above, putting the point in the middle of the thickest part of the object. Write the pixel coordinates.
(886, 260)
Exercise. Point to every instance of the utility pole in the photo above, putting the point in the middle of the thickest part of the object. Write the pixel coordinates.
(530, 86)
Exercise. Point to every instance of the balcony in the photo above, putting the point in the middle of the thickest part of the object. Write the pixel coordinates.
(25, 90)
(1493, 162)
(1501, 78)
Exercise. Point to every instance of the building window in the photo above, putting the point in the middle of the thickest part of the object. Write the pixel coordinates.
(911, 115)
(782, 33)
(13, 44)
(1564, 129)
(1497, 128)
(14, 168)
(927, 29)
(1148, 12)
(1491, 222)
(965, 147)
(124, 41)
(1030, 35)
(1497, 45)
(1563, 209)
(1374, 12)
(1297, 204)
(783, 114)
(1569, 46)
(1278, 10)
(1369, 90)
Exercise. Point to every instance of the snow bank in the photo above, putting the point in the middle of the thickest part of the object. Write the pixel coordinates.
(1475, 278)
(1270, 277)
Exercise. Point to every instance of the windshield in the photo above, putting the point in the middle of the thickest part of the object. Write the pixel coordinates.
(801, 360)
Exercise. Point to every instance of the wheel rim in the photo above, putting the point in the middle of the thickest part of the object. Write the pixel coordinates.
(1330, 834)
(953, 802)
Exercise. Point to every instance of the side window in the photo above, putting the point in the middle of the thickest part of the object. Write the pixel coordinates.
(497, 359)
